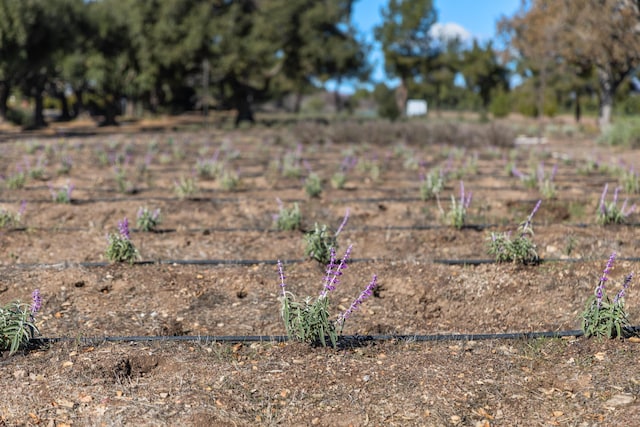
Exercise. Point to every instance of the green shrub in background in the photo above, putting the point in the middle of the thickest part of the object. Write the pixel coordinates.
(623, 132)
(500, 105)
(386, 100)
(629, 106)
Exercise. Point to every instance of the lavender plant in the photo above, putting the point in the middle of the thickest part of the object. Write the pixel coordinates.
(287, 219)
(229, 180)
(371, 167)
(339, 178)
(291, 164)
(529, 180)
(591, 165)
(313, 185)
(602, 316)
(125, 185)
(520, 249)
(10, 219)
(16, 180)
(185, 187)
(62, 195)
(66, 163)
(630, 181)
(147, 220)
(209, 168)
(120, 248)
(17, 323)
(320, 241)
(431, 185)
(37, 172)
(457, 214)
(610, 213)
(546, 185)
(309, 320)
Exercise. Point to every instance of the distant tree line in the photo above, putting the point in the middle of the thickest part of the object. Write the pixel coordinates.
(563, 52)
(177, 55)
(162, 54)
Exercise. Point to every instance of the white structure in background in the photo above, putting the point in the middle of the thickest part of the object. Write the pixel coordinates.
(416, 107)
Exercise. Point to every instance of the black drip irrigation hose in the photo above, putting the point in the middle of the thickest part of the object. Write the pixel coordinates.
(343, 339)
(245, 262)
(366, 228)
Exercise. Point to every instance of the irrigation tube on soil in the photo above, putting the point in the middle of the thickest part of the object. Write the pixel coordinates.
(344, 338)
(237, 262)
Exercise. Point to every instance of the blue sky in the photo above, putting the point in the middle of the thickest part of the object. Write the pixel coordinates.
(477, 17)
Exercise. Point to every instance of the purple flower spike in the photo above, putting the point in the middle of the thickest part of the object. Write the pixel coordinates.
(344, 222)
(625, 286)
(535, 209)
(607, 269)
(368, 291)
(603, 279)
(331, 279)
(282, 277)
(123, 228)
(36, 302)
(603, 208)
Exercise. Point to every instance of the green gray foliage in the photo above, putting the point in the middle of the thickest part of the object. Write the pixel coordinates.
(17, 326)
(520, 249)
(288, 218)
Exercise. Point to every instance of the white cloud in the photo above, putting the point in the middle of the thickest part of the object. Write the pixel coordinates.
(449, 30)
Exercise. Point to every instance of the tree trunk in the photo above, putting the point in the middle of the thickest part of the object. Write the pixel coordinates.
(336, 95)
(5, 89)
(607, 90)
(110, 113)
(78, 106)
(401, 97)
(65, 116)
(243, 100)
(578, 110)
(38, 112)
(298, 102)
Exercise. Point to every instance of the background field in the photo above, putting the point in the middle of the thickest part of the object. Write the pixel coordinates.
(210, 271)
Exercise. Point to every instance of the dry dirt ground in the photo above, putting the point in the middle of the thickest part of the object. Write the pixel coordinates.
(209, 271)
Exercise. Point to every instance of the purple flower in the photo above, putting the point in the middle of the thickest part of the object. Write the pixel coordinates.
(464, 201)
(368, 291)
(535, 209)
(605, 276)
(515, 172)
(282, 277)
(540, 171)
(23, 208)
(36, 302)
(527, 223)
(334, 271)
(608, 267)
(625, 285)
(603, 208)
(344, 222)
(123, 228)
(69, 189)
